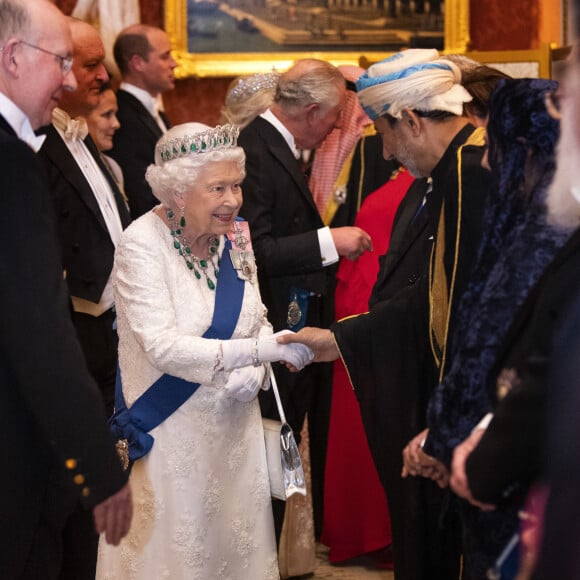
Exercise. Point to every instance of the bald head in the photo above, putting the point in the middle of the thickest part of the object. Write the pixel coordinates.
(36, 44)
(88, 68)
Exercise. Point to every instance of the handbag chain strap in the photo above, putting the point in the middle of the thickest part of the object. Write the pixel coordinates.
(277, 395)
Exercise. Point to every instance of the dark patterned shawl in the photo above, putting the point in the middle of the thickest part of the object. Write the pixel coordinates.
(517, 245)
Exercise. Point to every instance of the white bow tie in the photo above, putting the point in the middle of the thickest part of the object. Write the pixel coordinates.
(76, 129)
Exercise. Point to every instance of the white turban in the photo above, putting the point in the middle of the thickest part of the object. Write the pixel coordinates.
(412, 79)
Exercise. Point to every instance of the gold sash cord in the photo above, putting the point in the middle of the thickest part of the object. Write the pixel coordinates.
(441, 292)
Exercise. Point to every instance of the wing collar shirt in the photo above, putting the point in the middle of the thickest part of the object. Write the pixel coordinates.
(325, 241)
(73, 131)
(152, 104)
(16, 118)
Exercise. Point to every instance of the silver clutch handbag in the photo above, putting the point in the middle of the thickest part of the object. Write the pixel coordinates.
(284, 463)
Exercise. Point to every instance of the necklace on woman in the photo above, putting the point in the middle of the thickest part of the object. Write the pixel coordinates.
(199, 266)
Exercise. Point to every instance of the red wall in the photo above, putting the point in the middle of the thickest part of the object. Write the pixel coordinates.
(494, 25)
(504, 24)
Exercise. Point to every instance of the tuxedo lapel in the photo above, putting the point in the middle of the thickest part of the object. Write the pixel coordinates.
(142, 113)
(121, 205)
(280, 150)
(165, 120)
(59, 155)
(5, 126)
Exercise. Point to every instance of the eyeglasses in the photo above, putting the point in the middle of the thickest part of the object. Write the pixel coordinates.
(65, 62)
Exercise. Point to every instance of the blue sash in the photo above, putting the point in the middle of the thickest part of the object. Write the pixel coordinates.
(168, 393)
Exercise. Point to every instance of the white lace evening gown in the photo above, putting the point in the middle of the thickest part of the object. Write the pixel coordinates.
(201, 496)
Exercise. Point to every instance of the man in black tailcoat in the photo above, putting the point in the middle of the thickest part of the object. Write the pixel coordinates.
(143, 56)
(89, 208)
(55, 447)
(90, 214)
(293, 248)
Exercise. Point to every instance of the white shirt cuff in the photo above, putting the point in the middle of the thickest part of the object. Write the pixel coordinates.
(327, 247)
(484, 423)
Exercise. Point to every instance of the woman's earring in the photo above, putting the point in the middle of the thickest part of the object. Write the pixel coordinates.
(182, 219)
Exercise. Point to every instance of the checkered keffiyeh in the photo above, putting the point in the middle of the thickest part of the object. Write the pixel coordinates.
(339, 145)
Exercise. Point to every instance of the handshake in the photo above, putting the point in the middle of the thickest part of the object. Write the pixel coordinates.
(243, 352)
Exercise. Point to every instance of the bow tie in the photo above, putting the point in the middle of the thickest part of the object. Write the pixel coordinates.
(76, 129)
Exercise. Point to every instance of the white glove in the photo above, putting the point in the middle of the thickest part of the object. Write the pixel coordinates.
(298, 355)
(243, 352)
(245, 383)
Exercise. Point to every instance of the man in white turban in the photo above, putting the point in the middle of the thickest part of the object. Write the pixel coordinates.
(396, 352)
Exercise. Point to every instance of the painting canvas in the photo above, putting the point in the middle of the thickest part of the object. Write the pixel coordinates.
(214, 37)
(260, 26)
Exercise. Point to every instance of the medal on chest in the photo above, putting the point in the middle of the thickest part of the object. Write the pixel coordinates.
(241, 253)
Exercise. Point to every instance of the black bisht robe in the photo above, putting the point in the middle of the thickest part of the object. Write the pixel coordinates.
(389, 357)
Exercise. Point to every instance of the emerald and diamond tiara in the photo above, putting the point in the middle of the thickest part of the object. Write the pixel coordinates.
(222, 137)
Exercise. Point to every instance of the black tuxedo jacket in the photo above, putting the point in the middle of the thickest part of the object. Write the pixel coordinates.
(134, 150)
(510, 454)
(50, 408)
(87, 248)
(283, 220)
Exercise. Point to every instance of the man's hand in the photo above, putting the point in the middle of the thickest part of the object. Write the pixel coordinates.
(458, 481)
(411, 458)
(417, 462)
(351, 241)
(320, 340)
(113, 516)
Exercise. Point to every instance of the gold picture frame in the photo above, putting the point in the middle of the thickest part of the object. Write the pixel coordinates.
(456, 37)
(530, 63)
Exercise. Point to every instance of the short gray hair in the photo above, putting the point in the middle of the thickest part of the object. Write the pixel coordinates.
(14, 19)
(310, 81)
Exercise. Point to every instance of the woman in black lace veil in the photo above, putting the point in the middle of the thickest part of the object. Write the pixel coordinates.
(517, 246)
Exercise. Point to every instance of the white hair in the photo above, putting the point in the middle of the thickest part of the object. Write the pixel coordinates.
(178, 175)
(170, 176)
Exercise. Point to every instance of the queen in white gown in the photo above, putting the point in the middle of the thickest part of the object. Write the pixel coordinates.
(201, 495)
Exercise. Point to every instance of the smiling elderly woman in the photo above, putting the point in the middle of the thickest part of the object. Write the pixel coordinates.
(194, 344)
